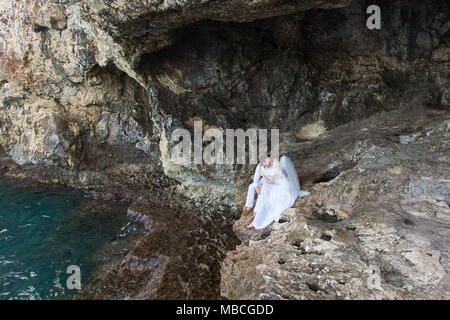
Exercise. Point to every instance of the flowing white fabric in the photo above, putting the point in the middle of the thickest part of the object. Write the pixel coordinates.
(275, 198)
(288, 169)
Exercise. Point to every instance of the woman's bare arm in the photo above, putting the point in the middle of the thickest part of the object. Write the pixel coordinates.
(267, 179)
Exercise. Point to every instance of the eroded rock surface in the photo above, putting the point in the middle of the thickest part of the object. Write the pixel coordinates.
(178, 258)
(93, 86)
(92, 90)
(387, 211)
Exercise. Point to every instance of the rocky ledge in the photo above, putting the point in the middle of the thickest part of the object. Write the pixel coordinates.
(95, 88)
(177, 257)
(92, 90)
(384, 205)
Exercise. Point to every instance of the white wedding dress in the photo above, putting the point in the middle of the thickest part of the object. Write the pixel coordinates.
(275, 198)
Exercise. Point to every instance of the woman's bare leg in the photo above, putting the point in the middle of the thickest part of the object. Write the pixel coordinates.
(250, 226)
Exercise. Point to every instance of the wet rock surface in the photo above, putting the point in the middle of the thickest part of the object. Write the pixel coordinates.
(388, 212)
(178, 257)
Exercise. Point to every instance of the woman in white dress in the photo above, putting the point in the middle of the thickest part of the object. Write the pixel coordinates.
(281, 192)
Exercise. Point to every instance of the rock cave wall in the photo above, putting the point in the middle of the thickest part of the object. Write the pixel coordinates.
(97, 87)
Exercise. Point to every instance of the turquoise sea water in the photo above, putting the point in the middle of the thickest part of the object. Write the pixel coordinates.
(44, 229)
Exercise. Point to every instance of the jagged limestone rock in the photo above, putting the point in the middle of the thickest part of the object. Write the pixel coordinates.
(123, 76)
(92, 90)
(388, 211)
